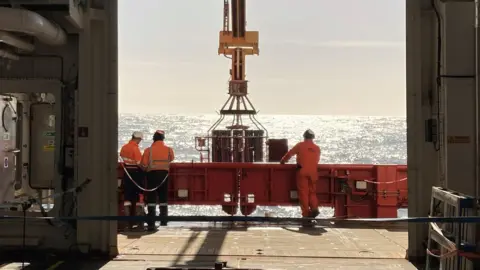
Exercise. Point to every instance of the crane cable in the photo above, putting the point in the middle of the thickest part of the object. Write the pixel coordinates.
(389, 182)
(136, 184)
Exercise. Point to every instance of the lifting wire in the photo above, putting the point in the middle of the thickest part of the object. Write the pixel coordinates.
(136, 184)
(389, 182)
(348, 190)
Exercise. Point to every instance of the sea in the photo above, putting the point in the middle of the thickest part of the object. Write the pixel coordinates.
(343, 140)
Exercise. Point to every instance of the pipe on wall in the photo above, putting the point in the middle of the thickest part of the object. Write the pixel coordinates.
(31, 23)
(8, 55)
(14, 41)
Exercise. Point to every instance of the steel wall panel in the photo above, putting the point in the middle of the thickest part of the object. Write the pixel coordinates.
(380, 194)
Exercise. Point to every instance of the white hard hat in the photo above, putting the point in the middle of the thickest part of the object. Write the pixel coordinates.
(309, 134)
(138, 135)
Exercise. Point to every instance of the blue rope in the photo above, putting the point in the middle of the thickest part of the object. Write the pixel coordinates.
(471, 219)
(25, 205)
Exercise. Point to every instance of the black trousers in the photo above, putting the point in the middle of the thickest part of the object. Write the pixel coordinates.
(131, 192)
(160, 196)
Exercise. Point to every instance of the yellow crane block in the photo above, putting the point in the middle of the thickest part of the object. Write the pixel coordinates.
(228, 41)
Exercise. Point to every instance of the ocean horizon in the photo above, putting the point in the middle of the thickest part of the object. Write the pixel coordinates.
(343, 140)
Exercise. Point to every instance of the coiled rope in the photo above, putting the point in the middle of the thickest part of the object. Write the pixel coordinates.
(135, 183)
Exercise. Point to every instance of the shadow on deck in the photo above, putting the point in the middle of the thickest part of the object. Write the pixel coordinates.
(247, 246)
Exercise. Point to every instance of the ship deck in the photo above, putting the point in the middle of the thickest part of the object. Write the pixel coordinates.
(257, 247)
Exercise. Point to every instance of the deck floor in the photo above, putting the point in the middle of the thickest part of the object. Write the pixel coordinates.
(268, 248)
(258, 248)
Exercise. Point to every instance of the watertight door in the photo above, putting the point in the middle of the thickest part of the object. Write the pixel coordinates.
(8, 148)
(42, 146)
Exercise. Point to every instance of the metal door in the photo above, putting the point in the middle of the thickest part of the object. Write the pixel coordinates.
(8, 148)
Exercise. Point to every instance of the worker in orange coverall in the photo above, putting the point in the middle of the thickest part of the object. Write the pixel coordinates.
(131, 156)
(308, 157)
(156, 162)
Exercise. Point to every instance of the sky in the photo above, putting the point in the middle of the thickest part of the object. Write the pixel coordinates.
(317, 57)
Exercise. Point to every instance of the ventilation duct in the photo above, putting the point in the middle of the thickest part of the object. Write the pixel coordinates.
(31, 23)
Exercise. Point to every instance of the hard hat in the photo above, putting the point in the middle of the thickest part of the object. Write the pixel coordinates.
(159, 135)
(138, 135)
(308, 134)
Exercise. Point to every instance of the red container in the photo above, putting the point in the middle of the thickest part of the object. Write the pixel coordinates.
(277, 148)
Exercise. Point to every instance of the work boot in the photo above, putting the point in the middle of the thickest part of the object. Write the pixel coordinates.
(140, 211)
(314, 213)
(163, 213)
(151, 213)
(307, 223)
(127, 212)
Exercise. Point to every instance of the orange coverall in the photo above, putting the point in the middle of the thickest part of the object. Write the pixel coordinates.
(156, 162)
(132, 156)
(308, 157)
